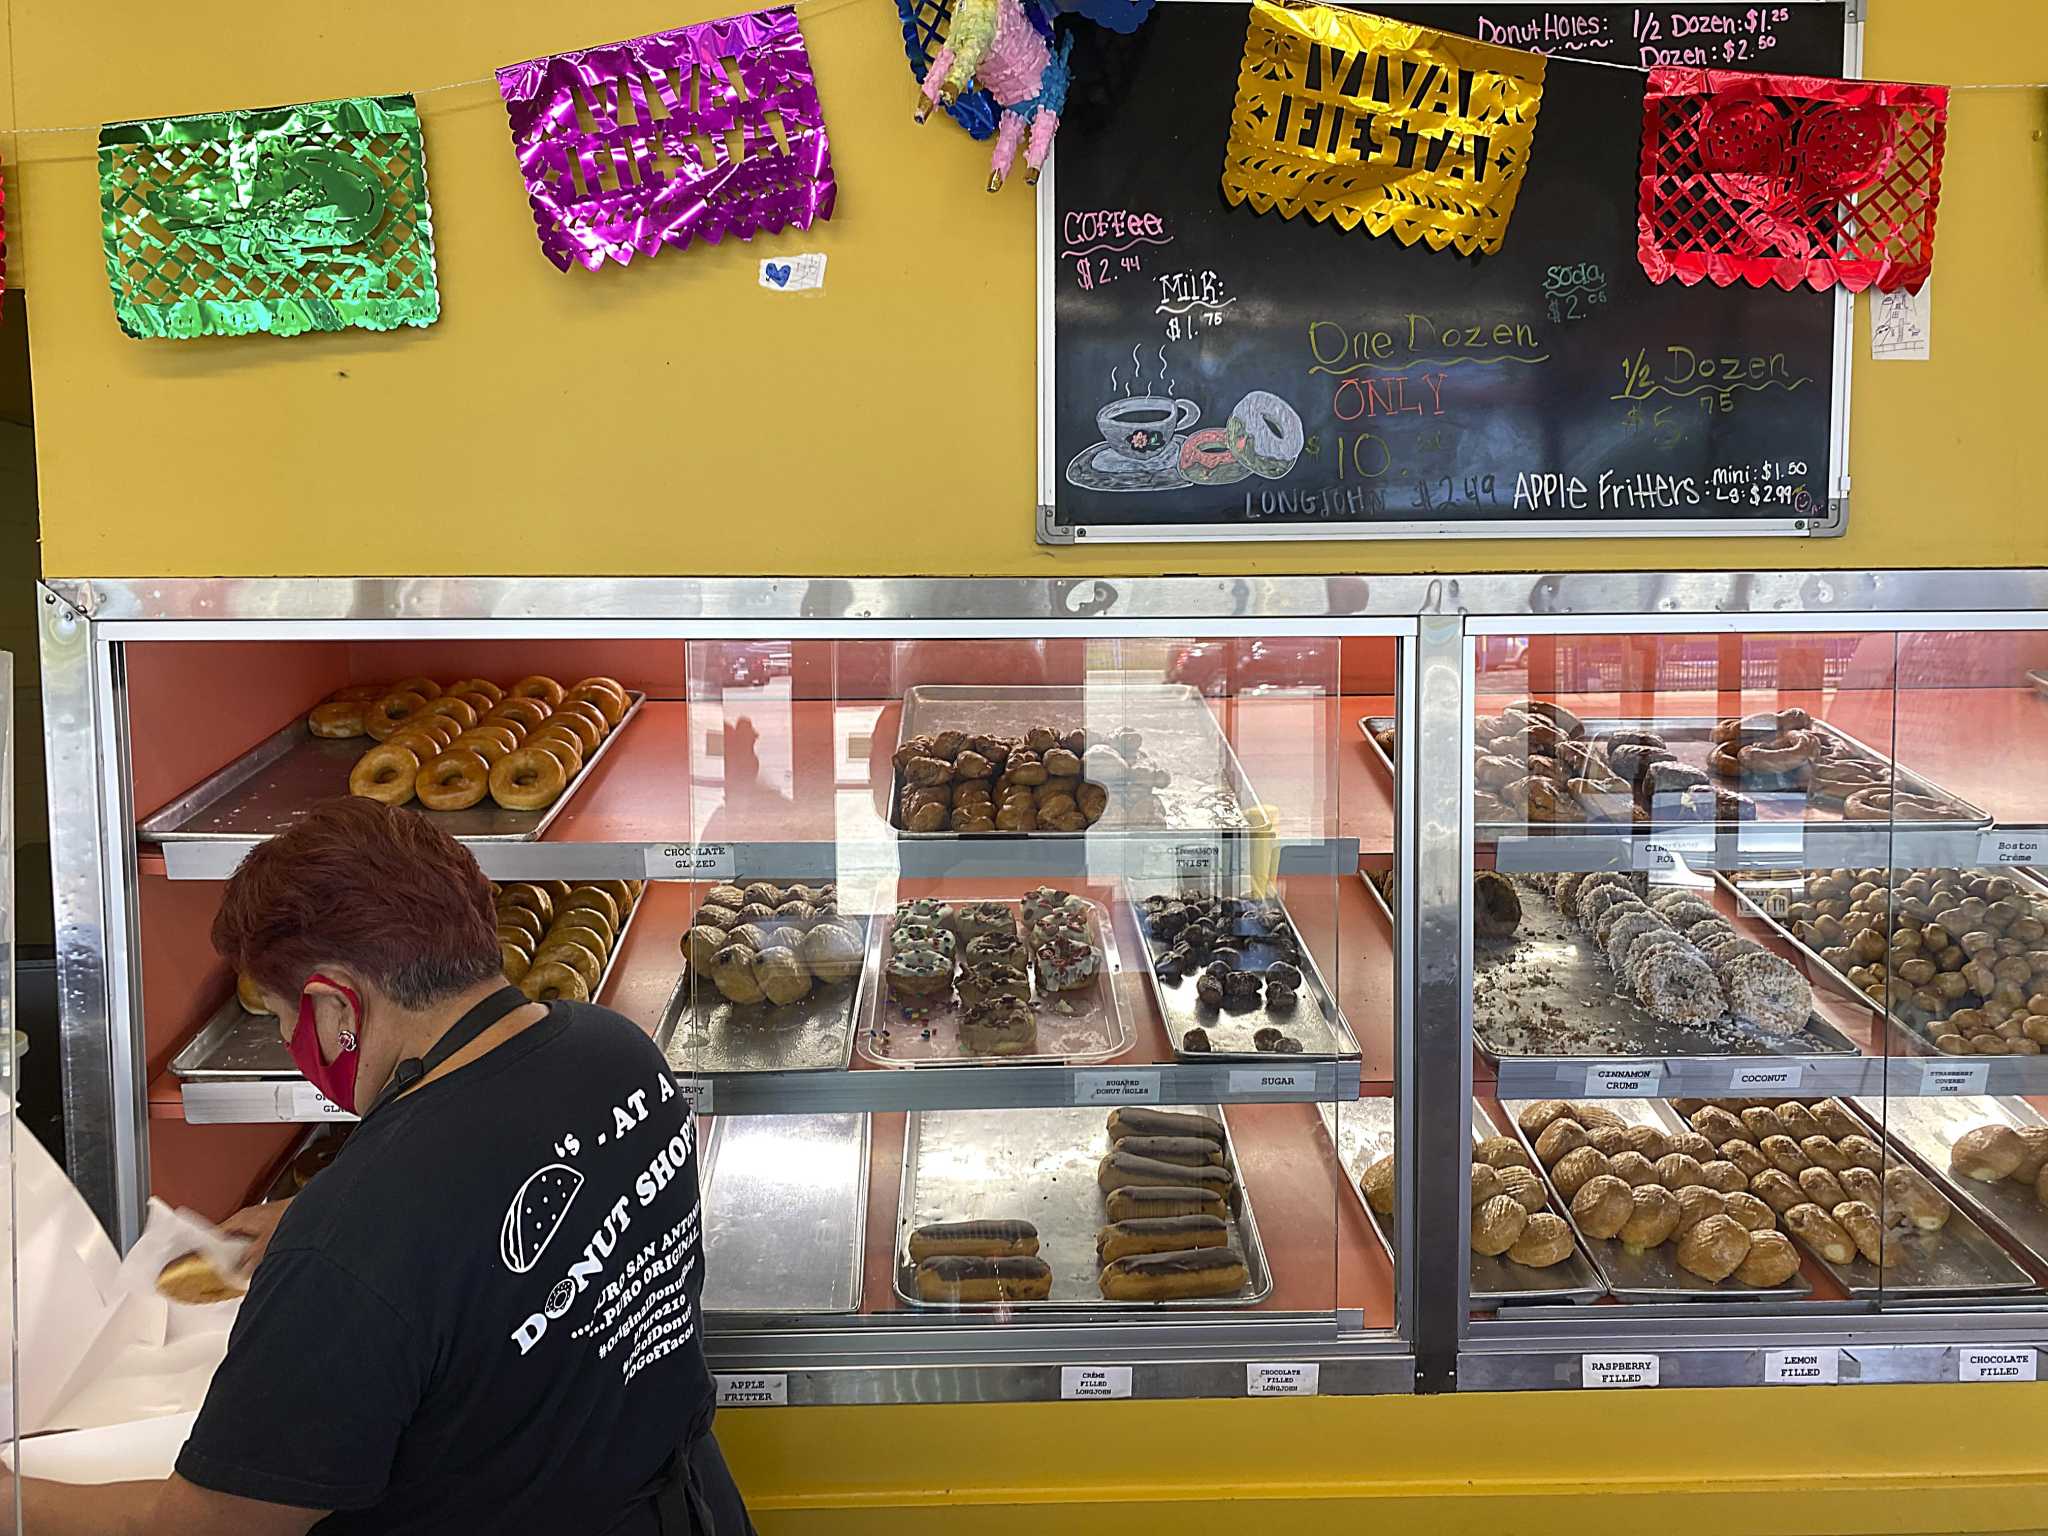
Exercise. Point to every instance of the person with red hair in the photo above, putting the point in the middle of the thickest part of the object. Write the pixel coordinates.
(484, 1315)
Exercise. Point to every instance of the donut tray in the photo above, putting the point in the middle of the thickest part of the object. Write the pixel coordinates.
(703, 1034)
(785, 1201)
(269, 787)
(1548, 992)
(1205, 789)
(1754, 893)
(1316, 1020)
(1038, 1165)
(1690, 738)
(1087, 1024)
(1925, 1128)
(1362, 1131)
(1653, 1274)
(1960, 1261)
(236, 1046)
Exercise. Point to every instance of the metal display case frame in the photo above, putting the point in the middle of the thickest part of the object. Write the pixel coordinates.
(1436, 1344)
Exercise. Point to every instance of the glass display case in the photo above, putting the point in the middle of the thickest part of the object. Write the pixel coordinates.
(1302, 985)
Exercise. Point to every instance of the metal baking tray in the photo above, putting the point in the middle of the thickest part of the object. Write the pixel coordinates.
(269, 787)
(1690, 738)
(1206, 790)
(1038, 1165)
(1316, 1021)
(1925, 1128)
(1960, 1261)
(1654, 1274)
(236, 1046)
(785, 1214)
(1559, 976)
(1362, 1131)
(703, 1034)
(1903, 1036)
(1085, 1025)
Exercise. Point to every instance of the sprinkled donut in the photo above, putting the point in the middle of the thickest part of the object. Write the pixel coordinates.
(1265, 434)
(1206, 459)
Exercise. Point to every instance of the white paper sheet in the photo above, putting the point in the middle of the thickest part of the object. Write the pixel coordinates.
(1902, 325)
(117, 1453)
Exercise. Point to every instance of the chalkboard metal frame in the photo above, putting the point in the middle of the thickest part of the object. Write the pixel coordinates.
(1052, 531)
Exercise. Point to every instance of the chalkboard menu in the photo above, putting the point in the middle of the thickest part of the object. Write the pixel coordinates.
(1208, 372)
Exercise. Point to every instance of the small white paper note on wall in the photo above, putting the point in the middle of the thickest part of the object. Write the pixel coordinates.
(794, 274)
(1902, 324)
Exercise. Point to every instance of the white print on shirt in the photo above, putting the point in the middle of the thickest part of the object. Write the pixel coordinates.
(536, 1214)
(524, 1242)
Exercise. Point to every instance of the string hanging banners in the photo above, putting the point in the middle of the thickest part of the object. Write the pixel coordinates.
(285, 219)
(1412, 132)
(1789, 179)
(697, 132)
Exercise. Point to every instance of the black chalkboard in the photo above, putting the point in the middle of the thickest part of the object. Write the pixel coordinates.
(1547, 389)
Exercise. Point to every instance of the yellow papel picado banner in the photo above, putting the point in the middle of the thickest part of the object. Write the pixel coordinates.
(1357, 118)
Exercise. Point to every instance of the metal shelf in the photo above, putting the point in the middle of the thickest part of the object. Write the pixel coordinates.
(1758, 845)
(1801, 1077)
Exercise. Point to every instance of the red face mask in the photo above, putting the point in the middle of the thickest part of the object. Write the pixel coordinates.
(335, 1079)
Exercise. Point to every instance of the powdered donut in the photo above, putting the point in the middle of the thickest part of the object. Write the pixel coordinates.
(1206, 459)
(1679, 988)
(1768, 993)
(1265, 434)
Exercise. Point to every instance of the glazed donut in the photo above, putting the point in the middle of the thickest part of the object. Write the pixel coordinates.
(526, 780)
(561, 748)
(387, 714)
(359, 693)
(338, 720)
(425, 687)
(482, 703)
(385, 773)
(458, 710)
(489, 745)
(596, 898)
(1206, 459)
(579, 927)
(611, 705)
(528, 712)
(443, 728)
(554, 982)
(513, 962)
(533, 897)
(418, 743)
(576, 724)
(610, 684)
(545, 689)
(585, 709)
(575, 956)
(454, 781)
(481, 685)
(523, 921)
(622, 892)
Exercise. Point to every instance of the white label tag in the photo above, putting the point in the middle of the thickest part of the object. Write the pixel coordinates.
(696, 1092)
(1619, 1370)
(2012, 848)
(690, 861)
(302, 1101)
(1116, 1087)
(1667, 852)
(1261, 1380)
(1782, 1076)
(1634, 1080)
(1802, 1367)
(794, 274)
(1254, 1082)
(753, 1391)
(1902, 325)
(1095, 1381)
(1995, 1364)
(1942, 1079)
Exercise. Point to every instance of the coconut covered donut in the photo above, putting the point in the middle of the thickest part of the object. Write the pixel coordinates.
(1625, 930)
(1681, 909)
(1767, 993)
(1679, 988)
(1642, 949)
(1612, 914)
(1594, 900)
(1265, 434)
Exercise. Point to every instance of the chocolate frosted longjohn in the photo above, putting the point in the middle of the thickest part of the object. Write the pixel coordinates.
(957, 1278)
(1162, 1122)
(1126, 1170)
(973, 1239)
(1159, 1234)
(1167, 1276)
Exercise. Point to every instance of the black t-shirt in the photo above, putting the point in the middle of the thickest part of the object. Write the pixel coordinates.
(483, 1315)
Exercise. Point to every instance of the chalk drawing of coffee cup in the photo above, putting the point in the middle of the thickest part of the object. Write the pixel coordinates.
(1142, 428)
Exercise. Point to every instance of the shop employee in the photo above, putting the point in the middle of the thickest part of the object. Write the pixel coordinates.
(484, 1315)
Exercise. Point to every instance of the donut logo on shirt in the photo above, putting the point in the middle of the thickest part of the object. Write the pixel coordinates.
(536, 1215)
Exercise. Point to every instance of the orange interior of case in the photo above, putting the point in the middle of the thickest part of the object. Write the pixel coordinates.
(773, 761)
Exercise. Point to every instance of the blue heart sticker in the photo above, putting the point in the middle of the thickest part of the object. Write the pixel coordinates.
(779, 276)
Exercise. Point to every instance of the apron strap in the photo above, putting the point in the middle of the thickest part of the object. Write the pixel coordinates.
(454, 1038)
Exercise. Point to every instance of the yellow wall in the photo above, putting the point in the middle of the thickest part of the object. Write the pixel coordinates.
(674, 418)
